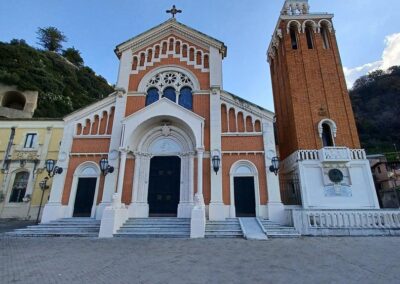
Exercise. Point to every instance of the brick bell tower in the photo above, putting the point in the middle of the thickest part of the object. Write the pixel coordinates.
(317, 134)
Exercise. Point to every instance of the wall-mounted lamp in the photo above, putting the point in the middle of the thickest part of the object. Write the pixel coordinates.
(216, 161)
(52, 169)
(274, 168)
(105, 167)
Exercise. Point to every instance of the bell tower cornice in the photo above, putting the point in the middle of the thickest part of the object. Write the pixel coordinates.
(295, 7)
(296, 11)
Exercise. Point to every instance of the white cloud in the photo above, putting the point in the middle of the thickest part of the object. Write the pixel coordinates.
(390, 57)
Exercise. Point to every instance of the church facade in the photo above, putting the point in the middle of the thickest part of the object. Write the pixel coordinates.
(174, 143)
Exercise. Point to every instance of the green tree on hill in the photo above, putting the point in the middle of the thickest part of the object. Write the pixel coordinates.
(74, 56)
(51, 38)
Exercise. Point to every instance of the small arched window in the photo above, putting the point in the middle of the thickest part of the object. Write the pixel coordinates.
(325, 38)
(186, 98)
(293, 37)
(134, 63)
(152, 96)
(170, 94)
(327, 136)
(19, 187)
(309, 36)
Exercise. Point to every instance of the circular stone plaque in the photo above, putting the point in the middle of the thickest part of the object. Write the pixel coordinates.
(335, 175)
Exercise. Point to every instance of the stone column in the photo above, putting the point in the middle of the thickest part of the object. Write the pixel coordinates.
(199, 194)
(121, 173)
(139, 208)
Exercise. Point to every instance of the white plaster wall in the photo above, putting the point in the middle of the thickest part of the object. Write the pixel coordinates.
(362, 187)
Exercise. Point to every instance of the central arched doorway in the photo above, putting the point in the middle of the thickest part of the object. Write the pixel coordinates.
(164, 186)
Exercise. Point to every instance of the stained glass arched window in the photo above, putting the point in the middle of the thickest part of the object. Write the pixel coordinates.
(186, 98)
(19, 187)
(152, 96)
(169, 93)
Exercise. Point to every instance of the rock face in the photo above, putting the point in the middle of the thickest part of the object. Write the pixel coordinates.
(58, 86)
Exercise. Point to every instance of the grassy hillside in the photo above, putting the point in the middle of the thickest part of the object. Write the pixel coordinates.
(376, 103)
(63, 87)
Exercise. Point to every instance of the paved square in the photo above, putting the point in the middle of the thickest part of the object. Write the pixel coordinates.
(304, 260)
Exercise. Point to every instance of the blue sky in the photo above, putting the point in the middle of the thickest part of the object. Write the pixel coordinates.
(368, 32)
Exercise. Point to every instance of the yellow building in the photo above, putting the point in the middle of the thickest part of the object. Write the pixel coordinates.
(25, 145)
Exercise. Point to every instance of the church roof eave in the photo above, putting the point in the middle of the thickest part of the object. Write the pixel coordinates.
(168, 25)
(110, 99)
(252, 107)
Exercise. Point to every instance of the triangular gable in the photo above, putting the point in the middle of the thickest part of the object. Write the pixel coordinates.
(161, 31)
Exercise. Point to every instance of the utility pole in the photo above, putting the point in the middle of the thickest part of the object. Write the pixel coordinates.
(397, 153)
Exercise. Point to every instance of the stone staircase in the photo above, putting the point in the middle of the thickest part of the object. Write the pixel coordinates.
(275, 230)
(155, 228)
(230, 228)
(66, 227)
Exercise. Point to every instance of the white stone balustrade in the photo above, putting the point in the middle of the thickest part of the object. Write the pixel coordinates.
(346, 222)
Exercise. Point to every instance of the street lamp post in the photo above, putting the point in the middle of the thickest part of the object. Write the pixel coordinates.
(43, 186)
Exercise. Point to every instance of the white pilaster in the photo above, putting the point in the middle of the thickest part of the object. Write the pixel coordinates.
(275, 205)
(110, 181)
(216, 209)
(198, 216)
(125, 66)
(54, 209)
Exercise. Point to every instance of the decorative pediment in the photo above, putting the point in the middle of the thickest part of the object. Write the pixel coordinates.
(166, 29)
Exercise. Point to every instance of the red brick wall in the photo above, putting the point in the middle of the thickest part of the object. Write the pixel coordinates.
(90, 145)
(242, 143)
(128, 181)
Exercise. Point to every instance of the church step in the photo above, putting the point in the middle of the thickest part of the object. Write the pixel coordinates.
(66, 227)
(276, 230)
(53, 234)
(154, 235)
(229, 228)
(155, 228)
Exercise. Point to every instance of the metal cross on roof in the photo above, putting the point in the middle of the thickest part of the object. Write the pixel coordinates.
(174, 11)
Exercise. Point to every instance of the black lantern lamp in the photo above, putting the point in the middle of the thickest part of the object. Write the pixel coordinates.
(216, 161)
(274, 168)
(105, 167)
(52, 169)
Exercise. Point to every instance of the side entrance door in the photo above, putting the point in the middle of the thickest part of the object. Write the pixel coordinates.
(245, 200)
(84, 197)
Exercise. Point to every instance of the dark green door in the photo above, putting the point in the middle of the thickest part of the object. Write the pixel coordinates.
(164, 186)
(84, 197)
(245, 200)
